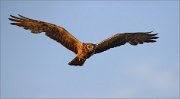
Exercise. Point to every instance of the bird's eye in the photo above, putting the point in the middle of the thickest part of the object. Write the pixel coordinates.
(90, 46)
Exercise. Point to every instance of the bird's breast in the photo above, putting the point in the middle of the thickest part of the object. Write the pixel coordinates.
(85, 53)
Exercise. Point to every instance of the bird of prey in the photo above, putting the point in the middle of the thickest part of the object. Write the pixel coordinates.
(82, 50)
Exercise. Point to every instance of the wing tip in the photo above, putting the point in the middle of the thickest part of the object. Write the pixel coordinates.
(11, 15)
(20, 15)
(23, 16)
(150, 32)
(14, 19)
(13, 23)
(154, 35)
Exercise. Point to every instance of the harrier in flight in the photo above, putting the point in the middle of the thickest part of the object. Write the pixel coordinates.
(81, 49)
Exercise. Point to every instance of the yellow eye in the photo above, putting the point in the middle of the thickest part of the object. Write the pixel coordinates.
(90, 46)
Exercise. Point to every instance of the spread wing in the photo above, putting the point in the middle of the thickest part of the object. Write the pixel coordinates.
(54, 32)
(121, 39)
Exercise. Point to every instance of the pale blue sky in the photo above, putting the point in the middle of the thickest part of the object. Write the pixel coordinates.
(34, 66)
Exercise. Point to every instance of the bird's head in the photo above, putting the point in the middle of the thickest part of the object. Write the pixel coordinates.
(90, 46)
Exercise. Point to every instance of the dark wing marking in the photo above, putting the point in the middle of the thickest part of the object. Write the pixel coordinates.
(54, 32)
(121, 39)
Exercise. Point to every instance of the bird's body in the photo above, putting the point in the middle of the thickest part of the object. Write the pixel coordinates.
(86, 50)
(82, 50)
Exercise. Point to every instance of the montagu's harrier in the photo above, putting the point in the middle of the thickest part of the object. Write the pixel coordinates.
(83, 50)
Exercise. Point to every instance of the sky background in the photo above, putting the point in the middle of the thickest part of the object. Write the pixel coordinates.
(34, 66)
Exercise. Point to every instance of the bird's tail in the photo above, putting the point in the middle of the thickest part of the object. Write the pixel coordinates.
(77, 61)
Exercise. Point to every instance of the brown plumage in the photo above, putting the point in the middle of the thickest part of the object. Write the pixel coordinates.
(83, 50)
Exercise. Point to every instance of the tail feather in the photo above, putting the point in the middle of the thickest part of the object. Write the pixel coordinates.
(77, 61)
